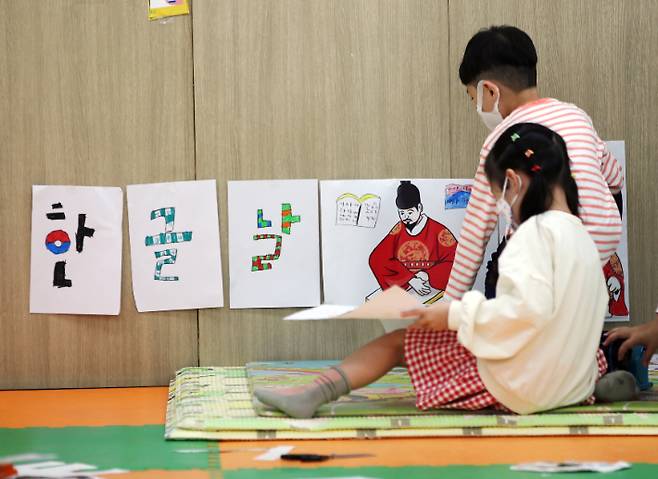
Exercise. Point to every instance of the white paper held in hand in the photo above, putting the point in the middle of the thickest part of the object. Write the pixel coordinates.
(389, 304)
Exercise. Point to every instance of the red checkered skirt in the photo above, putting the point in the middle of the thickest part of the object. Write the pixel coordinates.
(445, 374)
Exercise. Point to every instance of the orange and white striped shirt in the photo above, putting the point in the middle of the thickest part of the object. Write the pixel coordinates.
(597, 173)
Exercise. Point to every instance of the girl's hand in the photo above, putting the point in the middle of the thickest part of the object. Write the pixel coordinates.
(435, 317)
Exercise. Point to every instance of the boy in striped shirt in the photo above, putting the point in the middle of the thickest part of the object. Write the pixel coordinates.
(499, 70)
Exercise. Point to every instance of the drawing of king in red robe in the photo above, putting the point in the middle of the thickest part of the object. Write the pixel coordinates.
(614, 278)
(418, 252)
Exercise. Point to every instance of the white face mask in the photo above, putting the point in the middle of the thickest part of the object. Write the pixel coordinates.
(492, 118)
(504, 209)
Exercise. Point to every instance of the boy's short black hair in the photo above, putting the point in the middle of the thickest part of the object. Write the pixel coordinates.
(502, 53)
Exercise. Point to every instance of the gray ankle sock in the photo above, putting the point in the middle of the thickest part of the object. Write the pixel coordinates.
(303, 402)
(616, 386)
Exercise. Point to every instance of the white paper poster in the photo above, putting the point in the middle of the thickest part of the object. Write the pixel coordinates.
(174, 245)
(274, 243)
(76, 250)
(373, 237)
(616, 270)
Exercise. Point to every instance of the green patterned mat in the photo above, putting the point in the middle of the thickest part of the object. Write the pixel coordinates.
(216, 403)
(392, 395)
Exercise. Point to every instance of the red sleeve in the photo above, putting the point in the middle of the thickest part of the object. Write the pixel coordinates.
(385, 266)
(446, 246)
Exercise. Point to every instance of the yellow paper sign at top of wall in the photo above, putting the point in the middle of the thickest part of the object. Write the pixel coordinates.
(165, 8)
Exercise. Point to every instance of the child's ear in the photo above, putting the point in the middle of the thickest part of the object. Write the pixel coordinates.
(489, 87)
(514, 180)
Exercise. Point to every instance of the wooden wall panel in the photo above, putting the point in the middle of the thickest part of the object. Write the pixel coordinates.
(639, 114)
(91, 93)
(600, 55)
(313, 89)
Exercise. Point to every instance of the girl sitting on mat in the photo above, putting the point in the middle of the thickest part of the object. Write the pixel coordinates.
(532, 348)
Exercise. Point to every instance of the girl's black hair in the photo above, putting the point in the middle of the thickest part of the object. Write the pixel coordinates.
(541, 154)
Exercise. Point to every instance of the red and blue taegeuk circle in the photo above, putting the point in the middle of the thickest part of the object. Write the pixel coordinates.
(58, 242)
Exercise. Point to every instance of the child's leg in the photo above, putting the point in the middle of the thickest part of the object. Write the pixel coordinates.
(362, 367)
(375, 359)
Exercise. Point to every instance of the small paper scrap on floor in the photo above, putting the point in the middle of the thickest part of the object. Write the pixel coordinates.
(571, 466)
(274, 453)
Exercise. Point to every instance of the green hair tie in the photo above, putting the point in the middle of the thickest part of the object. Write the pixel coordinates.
(515, 136)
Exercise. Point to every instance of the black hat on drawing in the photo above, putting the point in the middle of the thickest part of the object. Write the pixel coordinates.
(408, 196)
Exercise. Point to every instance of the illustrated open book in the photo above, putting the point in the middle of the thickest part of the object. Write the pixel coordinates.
(389, 304)
(354, 211)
